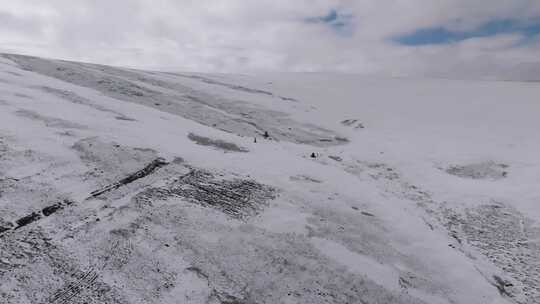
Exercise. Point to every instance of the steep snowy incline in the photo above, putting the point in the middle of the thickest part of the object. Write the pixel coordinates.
(127, 186)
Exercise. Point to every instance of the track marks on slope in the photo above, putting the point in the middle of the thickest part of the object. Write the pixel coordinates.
(237, 198)
(80, 282)
(51, 209)
(36, 269)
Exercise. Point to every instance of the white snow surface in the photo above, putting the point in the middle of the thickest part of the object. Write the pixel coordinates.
(421, 191)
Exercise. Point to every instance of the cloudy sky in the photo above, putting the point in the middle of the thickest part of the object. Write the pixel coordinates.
(448, 38)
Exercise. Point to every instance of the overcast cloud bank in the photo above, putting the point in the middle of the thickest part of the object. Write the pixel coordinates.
(445, 38)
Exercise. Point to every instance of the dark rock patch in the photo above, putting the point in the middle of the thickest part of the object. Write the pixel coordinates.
(149, 169)
(502, 285)
(305, 178)
(341, 139)
(49, 210)
(125, 118)
(336, 158)
(23, 221)
(355, 123)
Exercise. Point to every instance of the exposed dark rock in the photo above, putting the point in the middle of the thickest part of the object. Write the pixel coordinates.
(34, 216)
(502, 285)
(149, 169)
(336, 158)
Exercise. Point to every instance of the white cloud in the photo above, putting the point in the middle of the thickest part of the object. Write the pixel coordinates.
(270, 35)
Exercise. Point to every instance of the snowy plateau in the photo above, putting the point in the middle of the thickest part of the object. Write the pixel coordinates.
(127, 186)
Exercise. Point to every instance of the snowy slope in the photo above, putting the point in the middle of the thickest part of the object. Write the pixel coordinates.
(126, 186)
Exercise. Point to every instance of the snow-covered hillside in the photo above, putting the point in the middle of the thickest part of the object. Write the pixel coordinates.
(126, 186)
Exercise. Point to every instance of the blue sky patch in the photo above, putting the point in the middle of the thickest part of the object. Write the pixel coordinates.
(441, 35)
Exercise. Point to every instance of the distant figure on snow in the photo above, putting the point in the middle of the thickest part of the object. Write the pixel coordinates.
(266, 135)
(313, 155)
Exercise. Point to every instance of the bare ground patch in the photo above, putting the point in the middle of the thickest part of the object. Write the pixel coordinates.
(497, 231)
(216, 143)
(483, 170)
(304, 178)
(353, 123)
(509, 240)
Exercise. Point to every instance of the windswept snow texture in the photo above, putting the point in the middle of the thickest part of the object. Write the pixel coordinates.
(166, 91)
(115, 188)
